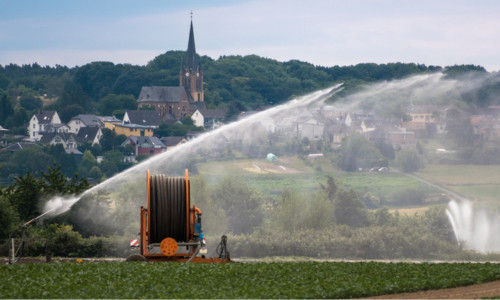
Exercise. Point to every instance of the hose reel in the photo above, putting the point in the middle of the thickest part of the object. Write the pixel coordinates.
(169, 207)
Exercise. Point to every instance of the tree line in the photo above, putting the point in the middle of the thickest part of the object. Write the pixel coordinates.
(236, 83)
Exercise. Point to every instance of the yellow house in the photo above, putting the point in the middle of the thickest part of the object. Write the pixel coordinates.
(109, 122)
(423, 117)
(133, 130)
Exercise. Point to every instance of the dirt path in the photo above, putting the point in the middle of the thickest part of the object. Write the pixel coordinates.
(476, 291)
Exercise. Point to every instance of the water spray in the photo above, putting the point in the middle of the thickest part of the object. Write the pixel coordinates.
(34, 219)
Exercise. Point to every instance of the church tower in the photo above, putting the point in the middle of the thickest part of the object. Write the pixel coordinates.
(191, 75)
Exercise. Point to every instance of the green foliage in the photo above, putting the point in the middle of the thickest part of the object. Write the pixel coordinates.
(30, 102)
(88, 162)
(176, 129)
(9, 217)
(73, 99)
(357, 152)
(27, 195)
(116, 104)
(327, 280)
(242, 204)
(6, 109)
(349, 210)
(409, 160)
(110, 140)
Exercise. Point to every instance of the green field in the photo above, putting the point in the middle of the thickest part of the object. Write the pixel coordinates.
(235, 280)
(306, 176)
(475, 182)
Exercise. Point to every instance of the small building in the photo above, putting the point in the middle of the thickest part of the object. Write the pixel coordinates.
(401, 139)
(145, 145)
(67, 140)
(173, 141)
(109, 122)
(149, 118)
(208, 118)
(133, 130)
(14, 147)
(91, 135)
(83, 120)
(39, 123)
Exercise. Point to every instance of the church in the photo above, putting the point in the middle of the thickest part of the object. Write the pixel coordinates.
(177, 102)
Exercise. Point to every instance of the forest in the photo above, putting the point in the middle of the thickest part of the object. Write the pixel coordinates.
(235, 83)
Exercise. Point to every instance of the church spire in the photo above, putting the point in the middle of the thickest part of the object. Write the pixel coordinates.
(191, 50)
(191, 75)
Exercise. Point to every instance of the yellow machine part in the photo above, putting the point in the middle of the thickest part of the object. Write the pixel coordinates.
(168, 246)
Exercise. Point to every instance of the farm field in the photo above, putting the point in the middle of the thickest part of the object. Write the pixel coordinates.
(236, 280)
(294, 173)
(475, 182)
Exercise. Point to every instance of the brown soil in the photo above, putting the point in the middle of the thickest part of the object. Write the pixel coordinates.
(476, 291)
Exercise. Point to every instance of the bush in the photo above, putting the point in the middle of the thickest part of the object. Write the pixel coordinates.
(409, 160)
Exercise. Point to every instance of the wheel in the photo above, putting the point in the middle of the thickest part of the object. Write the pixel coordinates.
(136, 257)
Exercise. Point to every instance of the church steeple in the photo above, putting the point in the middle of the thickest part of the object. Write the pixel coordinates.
(191, 51)
(191, 76)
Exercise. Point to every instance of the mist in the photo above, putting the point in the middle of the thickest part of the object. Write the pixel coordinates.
(274, 206)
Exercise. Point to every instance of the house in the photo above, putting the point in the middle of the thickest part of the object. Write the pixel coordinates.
(208, 118)
(145, 145)
(20, 146)
(82, 120)
(57, 128)
(401, 139)
(172, 141)
(67, 140)
(91, 135)
(109, 122)
(133, 130)
(147, 118)
(486, 126)
(39, 122)
(311, 128)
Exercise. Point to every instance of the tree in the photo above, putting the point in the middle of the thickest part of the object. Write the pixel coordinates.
(30, 102)
(349, 210)
(409, 160)
(110, 140)
(357, 152)
(242, 205)
(26, 196)
(73, 100)
(88, 162)
(116, 104)
(6, 109)
(9, 217)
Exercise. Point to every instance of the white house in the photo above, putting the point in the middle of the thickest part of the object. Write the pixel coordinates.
(81, 120)
(40, 122)
(208, 118)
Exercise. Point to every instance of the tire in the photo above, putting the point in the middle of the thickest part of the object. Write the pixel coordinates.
(136, 257)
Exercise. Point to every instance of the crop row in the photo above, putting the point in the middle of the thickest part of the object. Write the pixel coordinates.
(235, 280)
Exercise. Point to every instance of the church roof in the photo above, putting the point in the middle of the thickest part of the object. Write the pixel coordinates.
(161, 94)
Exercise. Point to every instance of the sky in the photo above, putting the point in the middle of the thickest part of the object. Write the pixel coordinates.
(321, 32)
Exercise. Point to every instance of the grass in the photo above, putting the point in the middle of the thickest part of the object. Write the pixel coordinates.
(306, 176)
(235, 280)
(476, 182)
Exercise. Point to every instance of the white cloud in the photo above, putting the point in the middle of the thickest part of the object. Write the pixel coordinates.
(321, 32)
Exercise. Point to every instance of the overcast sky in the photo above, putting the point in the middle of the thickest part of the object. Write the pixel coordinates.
(322, 32)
